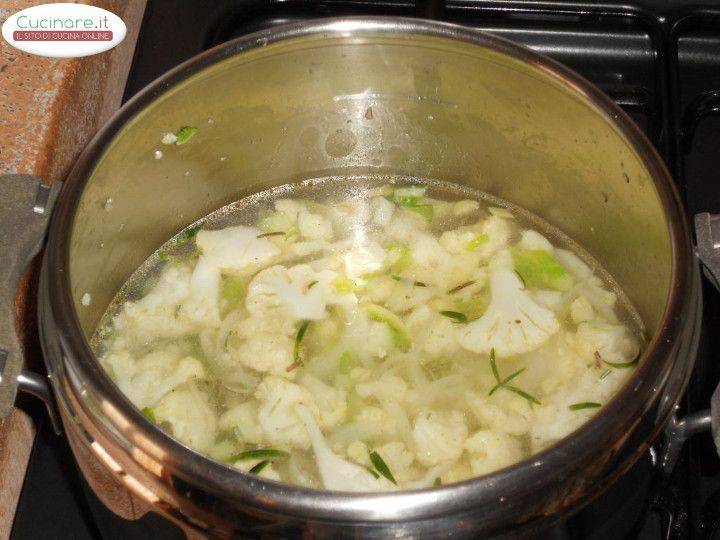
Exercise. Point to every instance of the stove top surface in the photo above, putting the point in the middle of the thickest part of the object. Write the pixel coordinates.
(659, 60)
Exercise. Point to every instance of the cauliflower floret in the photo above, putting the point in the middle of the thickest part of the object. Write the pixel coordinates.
(261, 343)
(332, 403)
(189, 413)
(363, 259)
(242, 421)
(490, 451)
(465, 207)
(335, 472)
(235, 248)
(277, 414)
(434, 334)
(456, 241)
(314, 226)
(612, 342)
(298, 292)
(366, 338)
(405, 296)
(266, 472)
(405, 225)
(581, 310)
(382, 211)
(147, 380)
(398, 459)
(439, 436)
(289, 207)
(502, 412)
(359, 453)
(497, 229)
(155, 315)
(534, 240)
(387, 388)
(203, 307)
(513, 323)
(376, 423)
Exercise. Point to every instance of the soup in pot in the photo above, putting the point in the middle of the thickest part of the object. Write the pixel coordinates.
(369, 335)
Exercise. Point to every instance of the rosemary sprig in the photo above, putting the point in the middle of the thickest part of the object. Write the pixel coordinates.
(259, 466)
(460, 287)
(456, 316)
(381, 466)
(274, 233)
(503, 383)
(409, 281)
(260, 453)
(297, 352)
(584, 405)
(621, 365)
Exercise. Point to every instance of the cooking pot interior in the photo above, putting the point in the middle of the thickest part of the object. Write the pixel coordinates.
(369, 101)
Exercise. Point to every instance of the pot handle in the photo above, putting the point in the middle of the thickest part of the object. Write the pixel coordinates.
(24, 215)
(707, 238)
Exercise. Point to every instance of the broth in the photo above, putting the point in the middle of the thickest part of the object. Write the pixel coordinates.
(364, 334)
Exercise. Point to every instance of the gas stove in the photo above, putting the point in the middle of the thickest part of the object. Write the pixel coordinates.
(659, 60)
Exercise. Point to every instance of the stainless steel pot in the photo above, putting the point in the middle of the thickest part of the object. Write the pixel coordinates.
(359, 96)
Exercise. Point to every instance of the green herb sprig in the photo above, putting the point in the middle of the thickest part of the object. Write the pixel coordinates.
(503, 383)
(456, 316)
(381, 467)
(621, 365)
(584, 405)
(297, 350)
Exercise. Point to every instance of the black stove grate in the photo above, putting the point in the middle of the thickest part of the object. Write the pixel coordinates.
(658, 59)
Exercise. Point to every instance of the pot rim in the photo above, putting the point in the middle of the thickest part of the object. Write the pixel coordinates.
(532, 472)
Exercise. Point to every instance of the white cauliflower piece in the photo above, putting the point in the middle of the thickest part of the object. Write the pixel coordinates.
(465, 207)
(332, 403)
(456, 241)
(235, 248)
(242, 420)
(612, 342)
(497, 229)
(363, 259)
(502, 412)
(155, 315)
(335, 472)
(581, 310)
(387, 388)
(366, 338)
(147, 380)
(290, 208)
(314, 226)
(277, 413)
(434, 334)
(228, 249)
(193, 420)
(261, 343)
(298, 292)
(490, 451)
(398, 459)
(513, 323)
(534, 240)
(405, 225)
(439, 436)
(382, 211)
(377, 423)
(203, 307)
(359, 453)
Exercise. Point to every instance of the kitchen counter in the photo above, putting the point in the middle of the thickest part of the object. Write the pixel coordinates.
(49, 110)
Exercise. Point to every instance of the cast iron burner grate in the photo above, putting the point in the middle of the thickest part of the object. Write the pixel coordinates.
(658, 59)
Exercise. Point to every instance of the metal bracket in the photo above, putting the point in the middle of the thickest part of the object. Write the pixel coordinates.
(24, 214)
